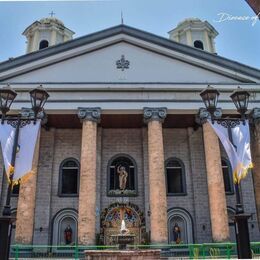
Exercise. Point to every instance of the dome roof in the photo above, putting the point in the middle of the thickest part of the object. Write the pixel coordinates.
(195, 23)
(189, 20)
(49, 20)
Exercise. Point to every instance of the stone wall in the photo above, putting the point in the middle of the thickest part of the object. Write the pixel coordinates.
(201, 218)
(185, 144)
(176, 145)
(122, 141)
(67, 145)
(56, 146)
(42, 225)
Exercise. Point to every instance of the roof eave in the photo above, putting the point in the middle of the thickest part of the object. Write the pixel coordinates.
(136, 33)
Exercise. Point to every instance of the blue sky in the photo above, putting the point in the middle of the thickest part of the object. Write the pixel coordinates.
(237, 40)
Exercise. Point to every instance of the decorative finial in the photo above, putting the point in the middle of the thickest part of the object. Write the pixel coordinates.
(122, 18)
(52, 13)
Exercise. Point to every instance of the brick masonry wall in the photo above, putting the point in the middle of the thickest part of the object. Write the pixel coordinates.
(122, 141)
(185, 144)
(56, 146)
(176, 145)
(202, 224)
(67, 145)
(44, 188)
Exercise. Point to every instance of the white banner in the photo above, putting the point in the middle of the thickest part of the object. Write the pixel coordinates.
(25, 151)
(239, 154)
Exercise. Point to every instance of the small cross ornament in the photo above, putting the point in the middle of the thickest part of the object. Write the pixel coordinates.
(51, 13)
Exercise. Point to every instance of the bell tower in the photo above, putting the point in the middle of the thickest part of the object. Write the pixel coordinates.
(46, 32)
(195, 33)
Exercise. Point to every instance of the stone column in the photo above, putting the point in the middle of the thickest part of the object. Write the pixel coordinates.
(87, 191)
(158, 202)
(26, 203)
(256, 158)
(53, 37)
(216, 190)
(35, 42)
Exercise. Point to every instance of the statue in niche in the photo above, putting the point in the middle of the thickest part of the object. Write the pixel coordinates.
(123, 174)
(176, 234)
(68, 235)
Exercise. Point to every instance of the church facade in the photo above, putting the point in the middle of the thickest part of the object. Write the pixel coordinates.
(123, 139)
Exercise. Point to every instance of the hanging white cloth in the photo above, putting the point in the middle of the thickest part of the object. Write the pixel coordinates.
(25, 150)
(239, 152)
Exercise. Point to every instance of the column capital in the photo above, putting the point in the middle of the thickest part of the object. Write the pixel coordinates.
(154, 113)
(203, 114)
(89, 113)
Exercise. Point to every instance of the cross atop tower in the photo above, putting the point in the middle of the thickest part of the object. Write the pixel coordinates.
(51, 13)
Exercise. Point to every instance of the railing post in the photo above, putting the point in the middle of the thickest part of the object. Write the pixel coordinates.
(190, 251)
(203, 251)
(76, 252)
(228, 251)
(16, 252)
(195, 253)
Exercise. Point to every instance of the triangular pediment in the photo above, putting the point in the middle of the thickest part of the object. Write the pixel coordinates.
(151, 59)
(109, 64)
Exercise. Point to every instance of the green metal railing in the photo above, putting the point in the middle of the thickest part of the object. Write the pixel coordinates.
(188, 251)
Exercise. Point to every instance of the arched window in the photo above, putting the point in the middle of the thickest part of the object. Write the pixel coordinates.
(43, 44)
(178, 217)
(175, 176)
(199, 45)
(227, 176)
(64, 228)
(69, 177)
(122, 180)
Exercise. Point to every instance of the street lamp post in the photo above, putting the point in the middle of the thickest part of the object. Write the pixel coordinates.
(240, 98)
(38, 98)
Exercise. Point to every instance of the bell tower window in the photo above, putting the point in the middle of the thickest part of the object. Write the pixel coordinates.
(43, 44)
(199, 45)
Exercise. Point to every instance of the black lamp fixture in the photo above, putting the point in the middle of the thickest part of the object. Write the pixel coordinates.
(7, 96)
(240, 98)
(38, 98)
(210, 98)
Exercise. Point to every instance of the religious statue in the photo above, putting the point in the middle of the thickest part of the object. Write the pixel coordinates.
(68, 235)
(122, 177)
(176, 234)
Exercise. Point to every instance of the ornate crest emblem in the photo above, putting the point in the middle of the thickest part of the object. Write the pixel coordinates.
(122, 63)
